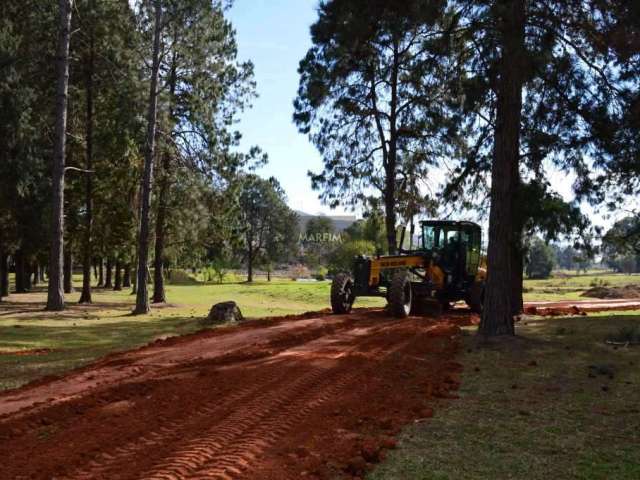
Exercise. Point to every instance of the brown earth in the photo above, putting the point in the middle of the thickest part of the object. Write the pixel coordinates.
(320, 397)
(628, 291)
(314, 396)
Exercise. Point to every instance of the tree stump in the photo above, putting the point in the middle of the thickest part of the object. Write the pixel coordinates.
(224, 312)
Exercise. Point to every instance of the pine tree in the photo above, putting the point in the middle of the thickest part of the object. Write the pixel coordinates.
(55, 296)
(371, 99)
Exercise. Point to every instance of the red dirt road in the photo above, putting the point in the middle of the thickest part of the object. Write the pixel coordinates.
(293, 398)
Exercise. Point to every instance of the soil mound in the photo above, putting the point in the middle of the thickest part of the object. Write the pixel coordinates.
(628, 291)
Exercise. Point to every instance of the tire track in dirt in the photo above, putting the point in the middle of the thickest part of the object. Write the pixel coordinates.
(172, 432)
(292, 401)
(242, 428)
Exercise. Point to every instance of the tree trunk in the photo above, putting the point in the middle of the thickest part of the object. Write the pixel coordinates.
(20, 286)
(85, 297)
(126, 278)
(117, 286)
(36, 274)
(517, 304)
(250, 263)
(134, 282)
(159, 295)
(517, 248)
(4, 275)
(68, 271)
(497, 315)
(392, 158)
(27, 276)
(100, 272)
(142, 296)
(108, 282)
(55, 294)
(158, 272)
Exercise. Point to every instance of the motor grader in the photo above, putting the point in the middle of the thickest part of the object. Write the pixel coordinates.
(446, 267)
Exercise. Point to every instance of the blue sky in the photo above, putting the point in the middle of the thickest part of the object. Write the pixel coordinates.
(274, 35)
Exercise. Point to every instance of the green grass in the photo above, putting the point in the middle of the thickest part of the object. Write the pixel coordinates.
(84, 333)
(517, 420)
(561, 287)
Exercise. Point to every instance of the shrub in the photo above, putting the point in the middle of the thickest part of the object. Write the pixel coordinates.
(341, 259)
(321, 274)
(298, 271)
(181, 277)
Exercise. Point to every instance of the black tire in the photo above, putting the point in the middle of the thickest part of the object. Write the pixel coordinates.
(475, 297)
(342, 294)
(400, 295)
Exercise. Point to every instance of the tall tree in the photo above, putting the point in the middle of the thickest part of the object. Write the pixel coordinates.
(55, 294)
(89, 72)
(372, 103)
(265, 221)
(497, 317)
(142, 296)
(537, 55)
(203, 88)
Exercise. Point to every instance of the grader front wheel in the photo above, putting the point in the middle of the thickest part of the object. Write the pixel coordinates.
(342, 294)
(400, 295)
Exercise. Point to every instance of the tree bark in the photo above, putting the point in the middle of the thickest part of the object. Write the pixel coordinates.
(517, 248)
(108, 282)
(142, 296)
(4, 275)
(517, 304)
(497, 315)
(68, 271)
(85, 296)
(117, 286)
(126, 278)
(55, 294)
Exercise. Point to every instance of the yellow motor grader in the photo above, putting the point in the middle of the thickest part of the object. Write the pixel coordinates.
(446, 267)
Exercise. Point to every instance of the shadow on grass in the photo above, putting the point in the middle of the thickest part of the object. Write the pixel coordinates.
(77, 345)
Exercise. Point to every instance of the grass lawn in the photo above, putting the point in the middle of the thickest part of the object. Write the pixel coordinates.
(532, 408)
(569, 287)
(34, 343)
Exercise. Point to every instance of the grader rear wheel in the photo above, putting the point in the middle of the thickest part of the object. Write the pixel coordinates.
(400, 295)
(342, 294)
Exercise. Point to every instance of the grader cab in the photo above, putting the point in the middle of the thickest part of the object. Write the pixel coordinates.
(446, 267)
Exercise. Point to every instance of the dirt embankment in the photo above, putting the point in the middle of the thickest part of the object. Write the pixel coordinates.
(318, 397)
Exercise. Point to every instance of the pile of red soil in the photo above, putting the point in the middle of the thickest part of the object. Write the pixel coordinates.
(317, 398)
